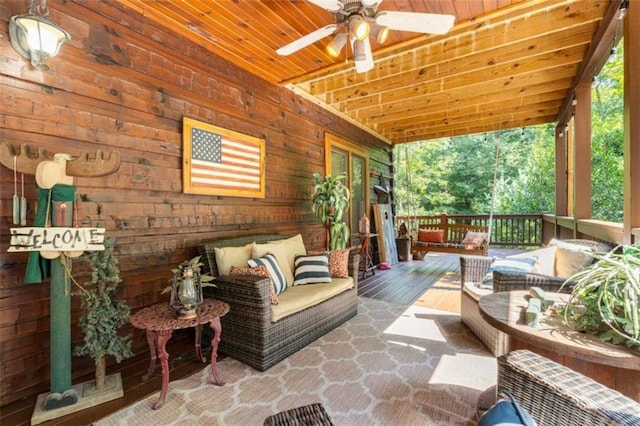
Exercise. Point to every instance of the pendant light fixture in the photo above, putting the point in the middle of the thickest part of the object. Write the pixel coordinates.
(358, 27)
(337, 44)
(34, 36)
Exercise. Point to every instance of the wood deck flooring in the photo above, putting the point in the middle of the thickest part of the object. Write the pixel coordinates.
(432, 282)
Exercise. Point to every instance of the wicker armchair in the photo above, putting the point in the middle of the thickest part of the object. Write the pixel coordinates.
(557, 395)
(473, 269)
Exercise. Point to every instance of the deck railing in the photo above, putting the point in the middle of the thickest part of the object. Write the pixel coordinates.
(513, 230)
(533, 230)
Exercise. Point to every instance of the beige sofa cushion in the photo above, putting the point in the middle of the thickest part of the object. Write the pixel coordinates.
(297, 298)
(226, 257)
(293, 246)
(545, 265)
(280, 252)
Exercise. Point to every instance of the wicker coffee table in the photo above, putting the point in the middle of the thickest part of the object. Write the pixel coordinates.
(160, 320)
(614, 366)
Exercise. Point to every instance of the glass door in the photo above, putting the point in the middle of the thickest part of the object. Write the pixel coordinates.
(343, 157)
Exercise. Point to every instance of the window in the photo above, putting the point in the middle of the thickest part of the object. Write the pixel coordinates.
(342, 156)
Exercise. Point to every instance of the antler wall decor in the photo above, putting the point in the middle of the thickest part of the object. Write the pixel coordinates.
(80, 166)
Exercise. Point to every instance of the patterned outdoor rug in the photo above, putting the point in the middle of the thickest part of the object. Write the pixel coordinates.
(390, 365)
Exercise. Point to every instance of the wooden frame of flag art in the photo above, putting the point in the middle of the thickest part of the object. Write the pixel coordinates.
(218, 161)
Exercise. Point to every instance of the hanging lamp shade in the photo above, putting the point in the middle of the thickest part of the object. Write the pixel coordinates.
(358, 27)
(380, 33)
(35, 37)
(335, 47)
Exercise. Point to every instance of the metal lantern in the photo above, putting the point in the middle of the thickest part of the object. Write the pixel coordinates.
(186, 291)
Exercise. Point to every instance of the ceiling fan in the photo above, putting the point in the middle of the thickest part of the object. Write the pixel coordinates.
(357, 20)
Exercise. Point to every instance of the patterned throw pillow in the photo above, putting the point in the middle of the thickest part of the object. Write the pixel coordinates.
(474, 240)
(312, 269)
(339, 263)
(258, 271)
(275, 273)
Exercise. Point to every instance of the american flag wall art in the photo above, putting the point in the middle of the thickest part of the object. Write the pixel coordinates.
(218, 161)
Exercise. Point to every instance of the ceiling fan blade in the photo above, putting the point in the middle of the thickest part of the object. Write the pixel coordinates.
(330, 5)
(428, 23)
(306, 40)
(364, 59)
(371, 3)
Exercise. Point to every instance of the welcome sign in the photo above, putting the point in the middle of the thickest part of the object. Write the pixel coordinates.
(56, 239)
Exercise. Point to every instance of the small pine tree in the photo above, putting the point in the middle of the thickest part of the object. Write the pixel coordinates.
(104, 313)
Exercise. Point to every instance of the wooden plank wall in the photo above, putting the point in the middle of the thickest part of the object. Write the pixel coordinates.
(123, 83)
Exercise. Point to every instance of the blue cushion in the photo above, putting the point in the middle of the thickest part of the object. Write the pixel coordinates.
(275, 273)
(509, 264)
(506, 412)
(312, 269)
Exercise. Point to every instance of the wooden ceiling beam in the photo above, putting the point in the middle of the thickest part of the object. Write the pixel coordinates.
(595, 58)
(507, 98)
(472, 80)
(455, 99)
(515, 32)
(494, 116)
(452, 116)
(370, 110)
(461, 66)
(484, 127)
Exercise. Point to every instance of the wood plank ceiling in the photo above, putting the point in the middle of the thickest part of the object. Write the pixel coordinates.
(505, 63)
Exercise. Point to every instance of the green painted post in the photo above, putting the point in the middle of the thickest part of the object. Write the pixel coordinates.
(60, 355)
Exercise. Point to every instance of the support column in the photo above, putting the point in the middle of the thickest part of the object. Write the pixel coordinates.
(582, 153)
(561, 170)
(631, 207)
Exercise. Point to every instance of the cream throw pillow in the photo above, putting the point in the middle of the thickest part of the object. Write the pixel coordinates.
(568, 261)
(294, 246)
(280, 252)
(226, 257)
(546, 261)
(570, 258)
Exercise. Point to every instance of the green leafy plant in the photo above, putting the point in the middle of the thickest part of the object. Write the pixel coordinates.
(330, 202)
(105, 312)
(604, 299)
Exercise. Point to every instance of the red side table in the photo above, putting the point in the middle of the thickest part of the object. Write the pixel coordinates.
(160, 320)
(366, 255)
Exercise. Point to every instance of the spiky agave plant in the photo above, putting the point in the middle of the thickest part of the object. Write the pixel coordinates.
(604, 298)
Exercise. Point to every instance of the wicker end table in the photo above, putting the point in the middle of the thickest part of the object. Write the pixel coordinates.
(160, 320)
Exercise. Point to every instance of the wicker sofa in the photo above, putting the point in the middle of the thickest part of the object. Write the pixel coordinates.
(474, 269)
(557, 395)
(248, 332)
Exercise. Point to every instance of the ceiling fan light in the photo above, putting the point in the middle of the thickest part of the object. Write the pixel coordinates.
(380, 33)
(359, 28)
(337, 44)
(359, 51)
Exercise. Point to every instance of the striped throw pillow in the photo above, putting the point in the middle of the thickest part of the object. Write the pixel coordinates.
(269, 260)
(312, 269)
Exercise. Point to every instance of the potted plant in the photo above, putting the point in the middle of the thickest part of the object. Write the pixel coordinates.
(605, 298)
(330, 203)
(105, 312)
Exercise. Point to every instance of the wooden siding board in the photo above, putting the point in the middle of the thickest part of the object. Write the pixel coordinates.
(134, 104)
